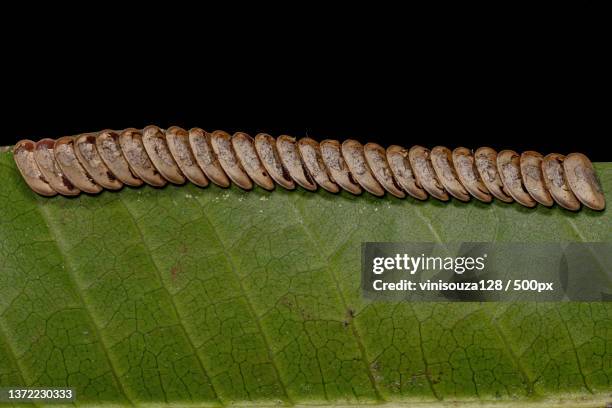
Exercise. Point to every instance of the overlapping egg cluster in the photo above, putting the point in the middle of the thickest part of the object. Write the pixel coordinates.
(109, 159)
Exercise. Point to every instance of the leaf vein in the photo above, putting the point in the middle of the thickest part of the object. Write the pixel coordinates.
(344, 304)
(58, 243)
(248, 301)
(172, 302)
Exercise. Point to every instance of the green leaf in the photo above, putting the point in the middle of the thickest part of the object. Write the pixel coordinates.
(197, 296)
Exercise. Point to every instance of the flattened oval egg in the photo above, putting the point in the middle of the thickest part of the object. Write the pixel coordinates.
(134, 152)
(582, 179)
(245, 151)
(87, 153)
(23, 154)
(200, 143)
(71, 166)
(376, 158)
(352, 152)
(486, 164)
(287, 151)
(109, 149)
(338, 170)
(310, 153)
(554, 178)
(265, 146)
(508, 165)
(442, 162)
(533, 179)
(468, 175)
(154, 141)
(45, 159)
(397, 157)
(221, 143)
(178, 144)
(425, 173)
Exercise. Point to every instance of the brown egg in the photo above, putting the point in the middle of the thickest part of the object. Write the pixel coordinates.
(581, 177)
(442, 162)
(486, 164)
(465, 166)
(337, 167)
(508, 165)
(425, 174)
(23, 154)
(352, 152)
(71, 166)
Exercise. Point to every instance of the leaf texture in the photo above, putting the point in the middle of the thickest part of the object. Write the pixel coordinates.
(193, 296)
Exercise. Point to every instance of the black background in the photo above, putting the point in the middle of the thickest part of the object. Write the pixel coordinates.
(518, 79)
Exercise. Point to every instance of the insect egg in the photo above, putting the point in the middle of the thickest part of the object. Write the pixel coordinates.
(425, 173)
(222, 147)
(265, 146)
(23, 154)
(178, 144)
(442, 162)
(291, 160)
(154, 141)
(397, 157)
(200, 144)
(87, 153)
(352, 151)
(510, 172)
(531, 173)
(247, 156)
(338, 170)
(486, 164)
(134, 151)
(376, 159)
(554, 177)
(45, 159)
(583, 181)
(109, 159)
(107, 144)
(310, 153)
(72, 168)
(468, 175)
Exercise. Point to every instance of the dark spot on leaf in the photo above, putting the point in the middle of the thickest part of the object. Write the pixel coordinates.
(306, 315)
(174, 271)
(285, 301)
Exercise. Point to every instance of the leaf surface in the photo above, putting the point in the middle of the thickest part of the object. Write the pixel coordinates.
(197, 296)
